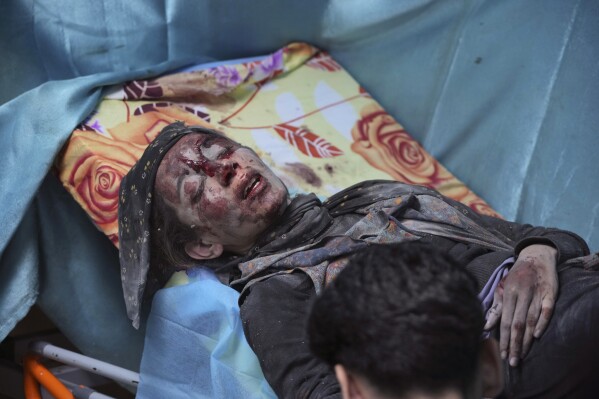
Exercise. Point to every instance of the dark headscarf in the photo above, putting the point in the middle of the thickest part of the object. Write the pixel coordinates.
(135, 211)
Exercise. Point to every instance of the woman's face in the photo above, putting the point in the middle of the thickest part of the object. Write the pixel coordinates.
(221, 188)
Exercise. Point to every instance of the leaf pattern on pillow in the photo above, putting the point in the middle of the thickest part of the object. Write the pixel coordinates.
(307, 142)
(324, 62)
(140, 89)
(151, 107)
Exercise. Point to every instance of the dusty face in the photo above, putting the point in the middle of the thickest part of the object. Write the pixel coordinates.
(221, 188)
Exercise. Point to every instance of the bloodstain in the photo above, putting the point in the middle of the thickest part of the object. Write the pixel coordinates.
(215, 208)
(330, 170)
(201, 165)
(204, 164)
(304, 172)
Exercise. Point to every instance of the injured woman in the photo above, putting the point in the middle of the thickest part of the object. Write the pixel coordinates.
(199, 199)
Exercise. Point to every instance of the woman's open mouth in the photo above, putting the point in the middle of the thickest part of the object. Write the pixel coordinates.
(255, 185)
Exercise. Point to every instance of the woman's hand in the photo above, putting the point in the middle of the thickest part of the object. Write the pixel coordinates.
(524, 301)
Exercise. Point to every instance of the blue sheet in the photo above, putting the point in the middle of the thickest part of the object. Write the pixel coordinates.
(194, 331)
(503, 93)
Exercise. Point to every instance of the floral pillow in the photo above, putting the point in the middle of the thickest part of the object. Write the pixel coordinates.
(310, 121)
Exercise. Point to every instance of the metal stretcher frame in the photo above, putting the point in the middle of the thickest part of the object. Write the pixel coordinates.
(36, 374)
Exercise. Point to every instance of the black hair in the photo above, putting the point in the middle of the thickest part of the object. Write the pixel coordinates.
(405, 317)
(169, 236)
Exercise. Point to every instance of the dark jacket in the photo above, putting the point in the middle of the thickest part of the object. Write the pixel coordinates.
(277, 293)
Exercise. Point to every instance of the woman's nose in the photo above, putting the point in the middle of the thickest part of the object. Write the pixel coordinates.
(226, 172)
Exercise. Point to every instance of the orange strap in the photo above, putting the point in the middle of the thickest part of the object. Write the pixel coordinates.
(35, 370)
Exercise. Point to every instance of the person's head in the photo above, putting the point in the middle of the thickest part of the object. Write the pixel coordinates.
(213, 196)
(193, 195)
(404, 321)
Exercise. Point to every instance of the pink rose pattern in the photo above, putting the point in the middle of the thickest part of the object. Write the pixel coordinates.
(388, 147)
(384, 144)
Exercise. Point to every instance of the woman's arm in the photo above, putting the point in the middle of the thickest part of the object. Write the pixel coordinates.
(274, 315)
(568, 244)
(525, 299)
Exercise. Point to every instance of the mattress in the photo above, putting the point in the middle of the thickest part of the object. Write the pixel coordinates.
(298, 108)
(307, 118)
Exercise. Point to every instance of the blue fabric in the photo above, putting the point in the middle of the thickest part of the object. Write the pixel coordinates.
(502, 93)
(34, 127)
(195, 347)
(81, 280)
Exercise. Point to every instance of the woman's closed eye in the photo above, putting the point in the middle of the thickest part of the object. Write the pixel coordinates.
(198, 193)
(215, 148)
(226, 153)
(216, 152)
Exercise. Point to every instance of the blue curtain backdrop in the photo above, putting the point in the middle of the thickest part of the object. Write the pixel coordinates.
(503, 93)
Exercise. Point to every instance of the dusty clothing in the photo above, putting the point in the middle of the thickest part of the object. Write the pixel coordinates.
(281, 276)
(313, 235)
(561, 364)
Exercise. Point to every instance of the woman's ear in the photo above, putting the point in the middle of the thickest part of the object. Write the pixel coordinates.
(491, 368)
(202, 251)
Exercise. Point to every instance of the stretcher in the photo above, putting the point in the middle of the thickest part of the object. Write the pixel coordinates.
(500, 94)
